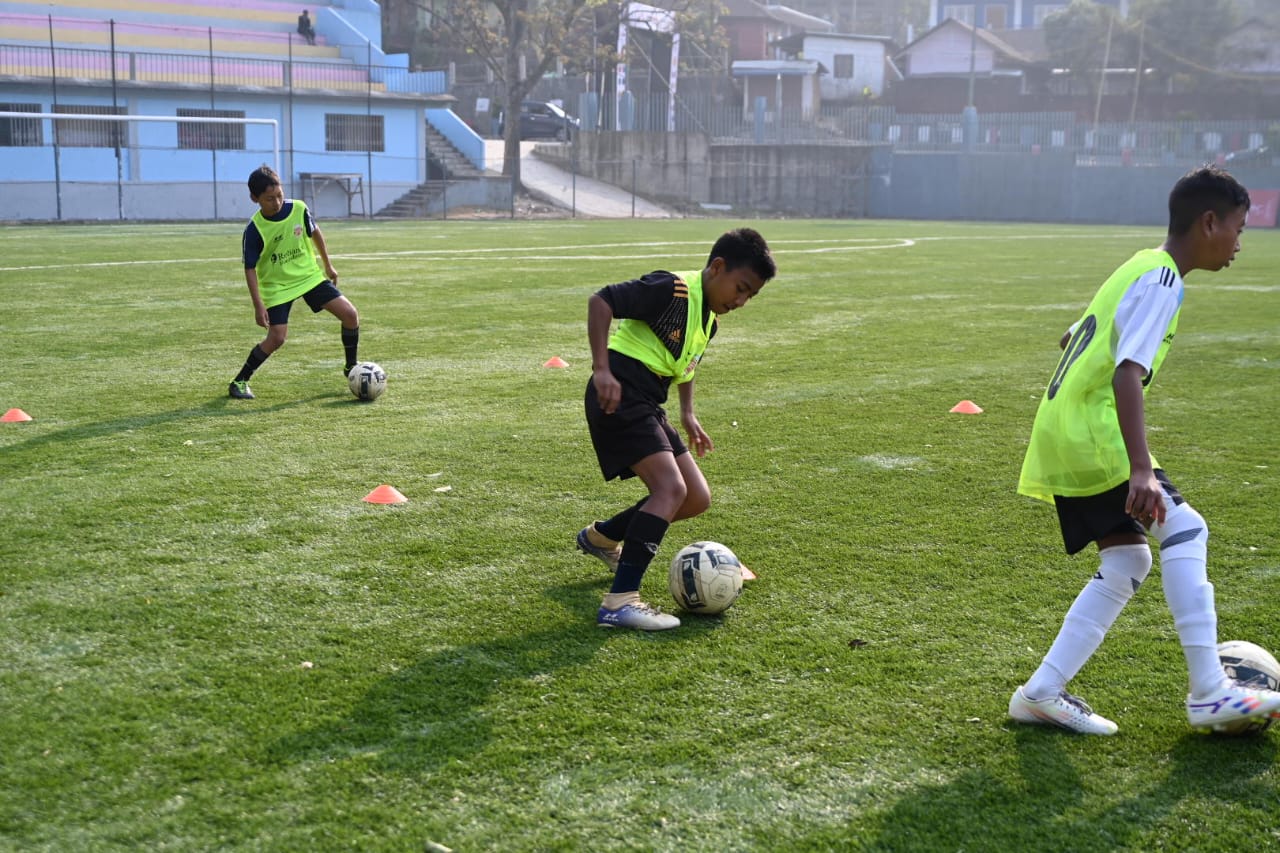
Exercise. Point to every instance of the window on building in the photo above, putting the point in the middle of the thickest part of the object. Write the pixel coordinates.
(843, 63)
(964, 13)
(348, 132)
(1043, 10)
(996, 17)
(212, 136)
(21, 132)
(87, 133)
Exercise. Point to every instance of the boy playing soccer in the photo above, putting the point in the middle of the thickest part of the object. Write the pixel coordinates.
(280, 245)
(666, 320)
(1088, 456)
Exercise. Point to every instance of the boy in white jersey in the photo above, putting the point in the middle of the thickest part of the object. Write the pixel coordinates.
(666, 320)
(1088, 456)
(280, 245)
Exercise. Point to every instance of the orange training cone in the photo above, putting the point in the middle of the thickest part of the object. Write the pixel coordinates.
(967, 407)
(555, 361)
(747, 574)
(385, 494)
(14, 416)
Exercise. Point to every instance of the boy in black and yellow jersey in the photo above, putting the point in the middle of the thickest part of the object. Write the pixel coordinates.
(666, 320)
(280, 245)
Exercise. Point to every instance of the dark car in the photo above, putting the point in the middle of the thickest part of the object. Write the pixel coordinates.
(1261, 156)
(543, 120)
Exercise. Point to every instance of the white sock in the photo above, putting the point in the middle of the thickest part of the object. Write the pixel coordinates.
(1190, 598)
(1183, 556)
(1121, 569)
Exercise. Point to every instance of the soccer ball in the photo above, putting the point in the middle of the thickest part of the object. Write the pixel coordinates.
(367, 381)
(705, 577)
(1254, 666)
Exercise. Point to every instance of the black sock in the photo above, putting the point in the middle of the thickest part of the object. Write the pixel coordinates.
(350, 343)
(616, 527)
(252, 363)
(641, 542)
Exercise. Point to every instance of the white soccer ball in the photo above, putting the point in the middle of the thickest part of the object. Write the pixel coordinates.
(367, 381)
(1255, 667)
(705, 577)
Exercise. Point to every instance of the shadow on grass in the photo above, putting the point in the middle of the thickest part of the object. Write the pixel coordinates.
(220, 407)
(437, 710)
(1054, 807)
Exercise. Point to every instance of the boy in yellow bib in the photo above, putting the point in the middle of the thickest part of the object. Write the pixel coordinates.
(280, 245)
(1088, 456)
(665, 322)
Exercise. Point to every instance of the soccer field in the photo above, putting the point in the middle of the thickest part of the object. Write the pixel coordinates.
(208, 640)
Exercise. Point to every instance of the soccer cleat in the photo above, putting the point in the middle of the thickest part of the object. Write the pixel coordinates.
(1064, 710)
(608, 556)
(239, 389)
(1234, 702)
(346, 371)
(638, 615)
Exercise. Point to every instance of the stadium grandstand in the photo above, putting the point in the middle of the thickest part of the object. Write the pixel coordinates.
(207, 90)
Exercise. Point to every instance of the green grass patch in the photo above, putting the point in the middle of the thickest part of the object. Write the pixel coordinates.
(210, 642)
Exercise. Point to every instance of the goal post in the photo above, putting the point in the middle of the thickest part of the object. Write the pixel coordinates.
(274, 123)
(37, 167)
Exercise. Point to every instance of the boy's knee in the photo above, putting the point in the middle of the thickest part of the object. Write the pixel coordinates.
(274, 340)
(697, 502)
(671, 495)
(344, 310)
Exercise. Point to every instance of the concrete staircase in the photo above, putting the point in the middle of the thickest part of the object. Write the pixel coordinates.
(449, 160)
(442, 159)
(416, 203)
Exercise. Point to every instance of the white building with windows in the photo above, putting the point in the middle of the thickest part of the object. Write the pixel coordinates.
(854, 66)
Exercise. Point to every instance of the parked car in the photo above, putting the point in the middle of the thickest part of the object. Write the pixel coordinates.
(542, 120)
(1261, 156)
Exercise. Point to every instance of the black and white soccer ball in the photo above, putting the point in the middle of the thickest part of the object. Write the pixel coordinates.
(1253, 666)
(367, 381)
(705, 577)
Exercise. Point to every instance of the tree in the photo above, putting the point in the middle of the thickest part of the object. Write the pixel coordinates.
(1183, 37)
(1084, 36)
(519, 41)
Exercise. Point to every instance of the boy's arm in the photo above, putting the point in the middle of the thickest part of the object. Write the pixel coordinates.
(318, 239)
(259, 310)
(1066, 336)
(1146, 497)
(698, 438)
(599, 318)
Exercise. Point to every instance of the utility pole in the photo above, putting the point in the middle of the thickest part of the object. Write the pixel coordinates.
(973, 54)
(971, 110)
(1102, 79)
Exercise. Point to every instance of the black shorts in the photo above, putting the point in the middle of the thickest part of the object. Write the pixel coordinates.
(317, 297)
(636, 430)
(1094, 517)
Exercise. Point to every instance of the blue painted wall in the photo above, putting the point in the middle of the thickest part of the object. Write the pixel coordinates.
(153, 154)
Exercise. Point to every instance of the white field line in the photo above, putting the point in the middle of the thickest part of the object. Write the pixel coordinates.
(557, 254)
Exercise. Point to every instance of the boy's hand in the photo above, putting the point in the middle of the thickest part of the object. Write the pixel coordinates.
(1146, 498)
(699, 441)
(608, 390)
(331, 274)
(260, 316)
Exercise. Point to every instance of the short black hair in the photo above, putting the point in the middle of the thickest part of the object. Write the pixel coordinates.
(1206, 188)
(744, 247)
(262, 179)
